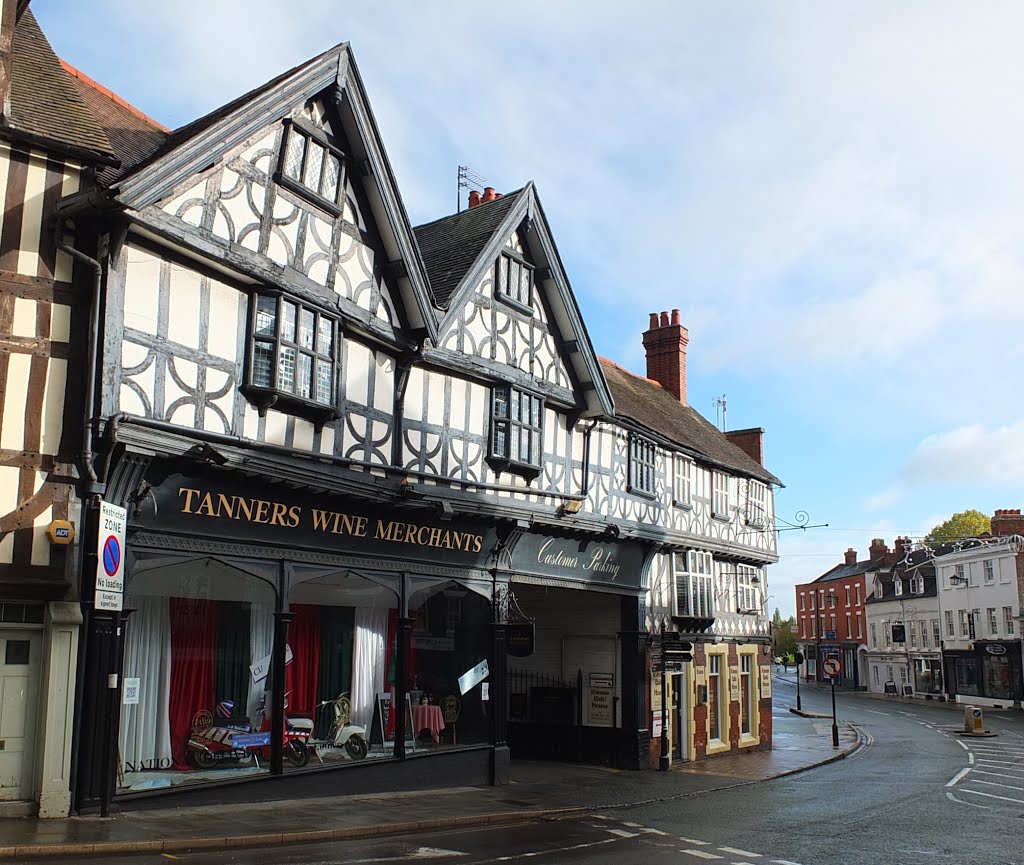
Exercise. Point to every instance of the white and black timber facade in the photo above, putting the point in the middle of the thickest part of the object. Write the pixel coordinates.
(365, 459)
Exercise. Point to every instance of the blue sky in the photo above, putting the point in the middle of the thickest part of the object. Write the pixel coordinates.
(830, 193)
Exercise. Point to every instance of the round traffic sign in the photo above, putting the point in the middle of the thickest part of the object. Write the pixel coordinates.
(111, 556)
(831, 666)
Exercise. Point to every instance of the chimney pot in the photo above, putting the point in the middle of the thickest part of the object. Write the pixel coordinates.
(474, 198)
(664, 319)
(488, 194)
(675, 316)
(654, 326)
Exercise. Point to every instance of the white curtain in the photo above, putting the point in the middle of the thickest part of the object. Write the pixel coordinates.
(262, 645)
(370, 634)
(145, 726)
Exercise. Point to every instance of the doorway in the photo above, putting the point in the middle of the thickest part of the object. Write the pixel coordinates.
(19, 697)
(677, 719)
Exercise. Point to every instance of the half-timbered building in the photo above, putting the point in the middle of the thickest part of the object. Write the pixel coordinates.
(370, 473)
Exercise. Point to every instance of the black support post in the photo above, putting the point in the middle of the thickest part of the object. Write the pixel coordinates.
(281, 621)
(401, 674)
(498, 693)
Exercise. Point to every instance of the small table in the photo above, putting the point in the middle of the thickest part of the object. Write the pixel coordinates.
(428, 718)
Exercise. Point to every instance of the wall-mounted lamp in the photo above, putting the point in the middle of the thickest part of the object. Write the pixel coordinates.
(570, 507)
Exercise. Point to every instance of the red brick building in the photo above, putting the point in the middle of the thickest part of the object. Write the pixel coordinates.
(830, 615)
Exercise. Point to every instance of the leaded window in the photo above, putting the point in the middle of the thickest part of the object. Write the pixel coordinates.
(642, 461)
(693, 584)
(757, 497)
(311, 166)
(515, 281)
(720, 495)
(682, 489)
(292, 354)
(517, 429)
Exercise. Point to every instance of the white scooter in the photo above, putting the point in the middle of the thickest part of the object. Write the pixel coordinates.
(342, 734)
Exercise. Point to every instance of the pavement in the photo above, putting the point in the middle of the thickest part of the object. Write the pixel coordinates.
(537, 789)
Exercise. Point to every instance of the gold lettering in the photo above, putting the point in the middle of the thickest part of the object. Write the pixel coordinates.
(359, 527)
(244, 506)
(447, 542)
(419, 535)
(277, 514)
(262, 507)
(347, 524)
(189, 492)
(225, 507)
(477, 543)
(319, 520)
(206, 506)
(410, 534)
(294, 512)
(389, 533)
(435, 537)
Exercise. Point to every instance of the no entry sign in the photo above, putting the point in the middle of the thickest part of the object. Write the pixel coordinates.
(110, 552)
(831, 667)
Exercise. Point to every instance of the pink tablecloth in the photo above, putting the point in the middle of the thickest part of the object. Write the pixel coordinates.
(428, 718)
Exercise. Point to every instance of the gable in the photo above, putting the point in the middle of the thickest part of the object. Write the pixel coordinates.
(511, 313)
(222, 185)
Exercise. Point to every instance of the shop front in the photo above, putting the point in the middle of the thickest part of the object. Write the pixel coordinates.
(581, 690)
(989, 674)
(270, 631)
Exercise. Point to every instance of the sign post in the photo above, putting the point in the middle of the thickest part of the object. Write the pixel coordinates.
(832, 667)
(110, 558)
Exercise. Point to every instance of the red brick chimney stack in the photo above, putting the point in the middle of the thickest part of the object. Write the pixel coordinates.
(665, 342)
(878, 550)
(851, 557)
(1007, 521)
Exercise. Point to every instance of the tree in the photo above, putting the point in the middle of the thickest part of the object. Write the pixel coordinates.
(783, 635)
(966, 524)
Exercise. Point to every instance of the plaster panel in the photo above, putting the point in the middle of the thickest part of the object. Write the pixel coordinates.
(12, 437)
(183, 322)
(141, 290)
(53, 406)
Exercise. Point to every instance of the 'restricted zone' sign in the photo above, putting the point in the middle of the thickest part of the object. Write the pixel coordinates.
(110, 557)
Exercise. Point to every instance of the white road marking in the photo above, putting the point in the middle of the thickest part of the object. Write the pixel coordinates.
(997, 774)
(420, 853)
(997, 784)
(990, 795)
(873, 712)
(736, 852)
(622, 833)
(953, 798)
(957, 777)
(693, 841)
(988, 761)
(549, 852)
(702, 854)
(786, 861)
(962, 744)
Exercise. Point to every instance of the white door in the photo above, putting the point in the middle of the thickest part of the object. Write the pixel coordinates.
(19, 696)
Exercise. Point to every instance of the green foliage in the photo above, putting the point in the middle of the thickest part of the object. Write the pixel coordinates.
(966, 524)
(783, 635)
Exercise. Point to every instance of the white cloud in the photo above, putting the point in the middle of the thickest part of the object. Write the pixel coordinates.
(970, 453)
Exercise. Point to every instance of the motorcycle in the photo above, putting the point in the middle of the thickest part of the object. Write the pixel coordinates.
(219, 738)
(342, 734)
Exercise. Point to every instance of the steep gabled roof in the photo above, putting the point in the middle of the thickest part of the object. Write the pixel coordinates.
(649, 405)
(133, 135)
(451, 245)
(45, 103)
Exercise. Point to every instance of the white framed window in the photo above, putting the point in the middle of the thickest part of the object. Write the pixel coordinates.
(860, 627)
(990, 571)
(715, 697)
(312, 167)
(746, 592)
(1008, 620)
(859, 599)
(831, 599)
(912, 630)
(849, 625)
(958, 571)
(874, 672)
(873, 628)
(757, 497)
(897, 586)
(832, 623)
(924, 635)
(748, 696)
(693, 575)
(964, 626)
(682, 481)
(847, 590)
(993, 622)
(642, 463)
(903, 675)
(888, 634)
(812, 600)
(879, 589)
(720, 495)
(803, 599)
(950, 629)
(916, 585)
(814, 628)
(936, 633)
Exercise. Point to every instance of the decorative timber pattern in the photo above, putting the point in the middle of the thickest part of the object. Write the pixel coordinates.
(239, 203)
(39, 312)
(497, 331)
(182, 352)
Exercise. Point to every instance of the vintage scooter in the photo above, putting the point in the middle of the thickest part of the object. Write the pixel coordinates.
(342, 734)
(217, 738)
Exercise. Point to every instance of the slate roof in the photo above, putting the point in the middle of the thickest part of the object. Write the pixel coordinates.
(44, 100)
(451, 245)
(648, 404)
(132, 135)
(844, 571)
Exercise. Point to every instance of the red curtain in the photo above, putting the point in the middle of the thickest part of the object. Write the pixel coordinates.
(302, 674)
(193, 626)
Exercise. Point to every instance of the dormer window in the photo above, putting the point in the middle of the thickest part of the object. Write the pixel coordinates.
(517, 431)
(311, 166)
(879, 589)
(897, 586)
(515, 282)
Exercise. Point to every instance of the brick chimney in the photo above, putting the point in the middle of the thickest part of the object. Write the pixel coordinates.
(750, 441)
(8, 21)
(878, 550)
(474, 198)
(665, 342)
(851, 557)
(1007, 522)
(489, 194)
